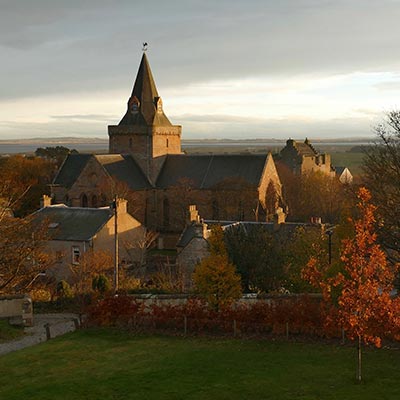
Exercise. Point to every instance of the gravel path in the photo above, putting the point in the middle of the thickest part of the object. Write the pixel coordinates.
(57, 325)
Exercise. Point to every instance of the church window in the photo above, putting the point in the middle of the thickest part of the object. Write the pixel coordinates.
(240, 211)
(166, 213)
(84, 200)
(167, 143)
(94, 201)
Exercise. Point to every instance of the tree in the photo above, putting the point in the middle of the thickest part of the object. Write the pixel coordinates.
(296, 252)
(257, 255)
(22, 183)
(381, 169)
(215, 277)
(22, 255)
(359, 295)
(57, 153)
(91, 264)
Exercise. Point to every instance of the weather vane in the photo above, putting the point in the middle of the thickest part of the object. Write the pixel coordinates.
(145, 45)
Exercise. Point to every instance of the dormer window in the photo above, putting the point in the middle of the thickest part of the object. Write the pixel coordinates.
(159, 104)
(134, 104)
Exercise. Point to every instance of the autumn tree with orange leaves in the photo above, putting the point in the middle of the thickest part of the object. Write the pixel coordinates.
(359, 294)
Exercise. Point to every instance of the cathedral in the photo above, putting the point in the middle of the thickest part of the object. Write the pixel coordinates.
(146, 166)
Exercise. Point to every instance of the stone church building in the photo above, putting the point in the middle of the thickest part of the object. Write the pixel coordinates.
(146, 165)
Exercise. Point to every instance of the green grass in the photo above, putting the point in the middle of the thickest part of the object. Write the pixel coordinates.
(352, 161)
(9, 332)
(105, 364)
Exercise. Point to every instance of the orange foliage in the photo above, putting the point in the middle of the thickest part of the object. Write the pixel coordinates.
(363, 305)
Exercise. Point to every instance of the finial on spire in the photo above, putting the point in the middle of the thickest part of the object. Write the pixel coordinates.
(145, 45)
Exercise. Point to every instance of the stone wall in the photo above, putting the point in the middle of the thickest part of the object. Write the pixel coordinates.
(18, 309)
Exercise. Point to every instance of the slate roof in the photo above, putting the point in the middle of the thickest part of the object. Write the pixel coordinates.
(339, 170)
(125, 169)
(145, 91)
(73, 223)
(71, 169)
(206, 171)
(189, 233)
(305, 149)
(122, 167)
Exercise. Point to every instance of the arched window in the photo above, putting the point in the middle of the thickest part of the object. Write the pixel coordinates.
(84, 200)
(94, 201)
(66, 200)
(103, 200)
(215, 210)
(166, 213)
(167, 143)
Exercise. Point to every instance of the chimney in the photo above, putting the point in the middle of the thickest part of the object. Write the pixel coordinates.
(279, 218)
(45, 201)
(121, 206)
(193, 214)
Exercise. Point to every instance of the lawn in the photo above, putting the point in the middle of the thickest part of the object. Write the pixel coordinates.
(105, 364)
(9, 332)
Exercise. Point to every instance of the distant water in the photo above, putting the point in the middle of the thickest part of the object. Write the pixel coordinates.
(30, 148)
(103, 147)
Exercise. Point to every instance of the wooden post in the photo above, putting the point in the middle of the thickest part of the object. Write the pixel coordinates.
(48, 335)
(287, 330)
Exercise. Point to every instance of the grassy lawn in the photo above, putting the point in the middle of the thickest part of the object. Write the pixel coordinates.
(105, 364)
(9, 332)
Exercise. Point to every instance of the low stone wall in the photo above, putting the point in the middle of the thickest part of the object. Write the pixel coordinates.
(180, 299)
(18, 309)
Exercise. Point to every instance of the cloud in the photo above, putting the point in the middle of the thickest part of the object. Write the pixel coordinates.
(86, 45)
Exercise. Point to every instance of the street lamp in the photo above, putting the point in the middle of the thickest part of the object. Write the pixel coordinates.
(329, 232)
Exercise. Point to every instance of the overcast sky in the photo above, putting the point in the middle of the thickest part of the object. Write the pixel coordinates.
(233, 69)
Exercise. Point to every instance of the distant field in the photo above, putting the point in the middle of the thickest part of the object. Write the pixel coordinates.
(352, 161)
(106, 364)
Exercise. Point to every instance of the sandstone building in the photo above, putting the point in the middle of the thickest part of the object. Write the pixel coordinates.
(302, 158)
(146, 166)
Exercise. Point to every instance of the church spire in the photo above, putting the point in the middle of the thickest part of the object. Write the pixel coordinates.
(144, 104)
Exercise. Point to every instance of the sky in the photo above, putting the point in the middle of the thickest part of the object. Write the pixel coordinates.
(224, 69)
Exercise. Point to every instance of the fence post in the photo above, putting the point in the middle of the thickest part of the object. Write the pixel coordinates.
(234, 328)
(184, 325)
(287, 330)
(48, 335)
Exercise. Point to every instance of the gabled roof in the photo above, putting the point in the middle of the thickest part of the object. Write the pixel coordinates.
(207, 171)
(188, 234)
(121, 167)
(71, 168)
(73, 223)
(145, 91)
(125, 169)
(339, 170)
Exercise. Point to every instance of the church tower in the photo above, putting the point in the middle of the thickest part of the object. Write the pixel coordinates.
(145, 132)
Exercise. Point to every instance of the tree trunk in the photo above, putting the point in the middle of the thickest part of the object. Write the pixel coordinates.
(359, 359)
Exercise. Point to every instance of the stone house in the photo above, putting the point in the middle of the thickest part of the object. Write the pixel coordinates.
(74, 231)
(146, 160)
(344, 175)
(302, 158)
